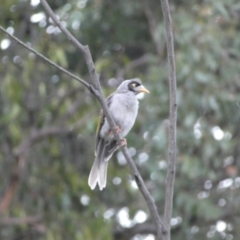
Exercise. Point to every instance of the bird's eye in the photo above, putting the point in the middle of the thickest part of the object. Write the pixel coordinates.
(134, 84)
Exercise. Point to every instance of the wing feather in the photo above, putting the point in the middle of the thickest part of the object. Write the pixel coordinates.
(101, 120)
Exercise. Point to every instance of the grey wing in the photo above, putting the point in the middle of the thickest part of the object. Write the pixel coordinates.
(101, 121)
(99, 126)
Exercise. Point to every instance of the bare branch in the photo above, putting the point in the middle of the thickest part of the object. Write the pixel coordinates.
(96, 90)
(172, 119)
(63, 29)
(20, 221)
(45, 59)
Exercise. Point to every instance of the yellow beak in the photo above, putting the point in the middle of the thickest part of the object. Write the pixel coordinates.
(143, 89)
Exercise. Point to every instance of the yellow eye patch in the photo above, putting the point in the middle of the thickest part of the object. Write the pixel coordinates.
(134, 84)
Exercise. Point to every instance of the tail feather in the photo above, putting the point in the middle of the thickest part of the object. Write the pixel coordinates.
(93, 176)
(102, 180)
(98, 174)
(102, 170)
(110, 149)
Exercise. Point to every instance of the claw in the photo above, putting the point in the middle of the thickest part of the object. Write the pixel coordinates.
(123, 142)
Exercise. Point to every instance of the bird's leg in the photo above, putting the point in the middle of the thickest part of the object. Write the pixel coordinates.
(117, 129)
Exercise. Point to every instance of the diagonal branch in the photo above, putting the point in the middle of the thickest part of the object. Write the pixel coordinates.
(96, 90)
(20, 221)
(44, 58)
(172, 119)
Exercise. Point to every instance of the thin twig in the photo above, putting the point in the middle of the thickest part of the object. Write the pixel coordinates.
(172, 119)
(20, 221)
(45, 59)
(96, 90)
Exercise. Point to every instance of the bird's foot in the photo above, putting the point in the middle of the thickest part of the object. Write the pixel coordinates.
(123, 142)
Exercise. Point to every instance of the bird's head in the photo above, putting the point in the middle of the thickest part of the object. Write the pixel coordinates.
(133, 85)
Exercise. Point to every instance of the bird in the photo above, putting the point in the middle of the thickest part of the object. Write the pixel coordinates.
(123, 106)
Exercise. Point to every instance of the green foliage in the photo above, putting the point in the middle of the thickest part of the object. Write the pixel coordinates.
(34, 97)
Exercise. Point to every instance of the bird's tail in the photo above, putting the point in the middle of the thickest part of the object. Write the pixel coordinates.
(98, 172)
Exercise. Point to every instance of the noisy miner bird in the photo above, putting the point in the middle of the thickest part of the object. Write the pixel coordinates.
(123, 105)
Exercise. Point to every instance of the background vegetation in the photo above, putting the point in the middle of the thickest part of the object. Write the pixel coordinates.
(47, 120)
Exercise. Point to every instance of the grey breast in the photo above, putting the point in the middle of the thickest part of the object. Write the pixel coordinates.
(124, 109)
